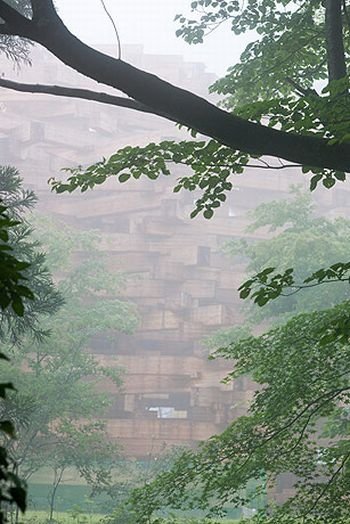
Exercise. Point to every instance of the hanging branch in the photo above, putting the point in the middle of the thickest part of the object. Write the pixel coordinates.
(119, 45)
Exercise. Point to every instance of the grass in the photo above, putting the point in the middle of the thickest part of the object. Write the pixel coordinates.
(41, 517)
(62, 517)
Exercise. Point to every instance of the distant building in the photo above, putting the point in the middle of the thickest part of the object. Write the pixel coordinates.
(183, 285)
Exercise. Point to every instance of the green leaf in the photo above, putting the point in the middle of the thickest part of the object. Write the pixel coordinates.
(18, 307)
(314, 181)
(245, 293)
(208, 213)
(124, 177)
(328, 182)
(339, 175)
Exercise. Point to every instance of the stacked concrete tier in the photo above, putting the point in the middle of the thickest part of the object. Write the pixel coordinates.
(183, 285)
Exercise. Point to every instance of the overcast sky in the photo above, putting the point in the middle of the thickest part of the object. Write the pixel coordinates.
(151, 23)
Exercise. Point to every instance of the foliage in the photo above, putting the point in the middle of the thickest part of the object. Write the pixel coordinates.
(137, 474)
(273, 84)
(12, 289)
(12, 293)
(14, 48)
(297, 423)
(84, 447)
(56, 406)
(12, 487)
(26, 292)
(272, 286)
(303, 383)
(152, 161)
(20, 303)
(304, 378)
(288, 33)
(224, 337)
(59, 388)
(43, 297)
(290, 261)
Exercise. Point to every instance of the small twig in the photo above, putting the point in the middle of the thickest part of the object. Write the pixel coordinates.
(325, 397)
(328, 485)
(306, 286)
(239, 164)
(300, 89)
(309, 417)
(114, 27)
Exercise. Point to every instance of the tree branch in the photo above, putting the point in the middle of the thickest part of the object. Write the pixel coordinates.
(84, 94)
(177, 104)
(327, 485)
(325, 397)
(300, 89)
(119, 44)
(14, 21)
(42, 8)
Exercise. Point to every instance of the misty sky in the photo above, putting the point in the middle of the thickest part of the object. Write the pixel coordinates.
(151, 23)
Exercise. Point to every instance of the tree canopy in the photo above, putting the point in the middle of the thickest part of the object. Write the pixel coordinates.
(273, 105)
(27, 293)
(51, 419)
(56, 375)
(297, 426)
(301, 243)
(287, 98)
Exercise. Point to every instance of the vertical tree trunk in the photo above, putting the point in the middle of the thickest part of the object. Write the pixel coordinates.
(334, 40)
(56, 482)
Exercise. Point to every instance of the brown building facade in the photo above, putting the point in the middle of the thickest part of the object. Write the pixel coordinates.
(182, 284)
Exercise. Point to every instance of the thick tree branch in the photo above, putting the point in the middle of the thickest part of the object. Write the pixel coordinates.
(178, 104)
(84, 94)
(6, 29)
(42, 8)
(19, 24)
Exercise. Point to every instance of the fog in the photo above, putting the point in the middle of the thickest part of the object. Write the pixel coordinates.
(150, 23)
(148, 292)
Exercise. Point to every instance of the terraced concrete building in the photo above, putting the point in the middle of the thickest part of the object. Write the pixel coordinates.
(182, 284)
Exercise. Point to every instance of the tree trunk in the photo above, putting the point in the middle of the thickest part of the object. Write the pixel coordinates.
(56, 482)
(334, 40)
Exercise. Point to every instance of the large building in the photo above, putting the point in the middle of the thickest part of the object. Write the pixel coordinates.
(182, 284)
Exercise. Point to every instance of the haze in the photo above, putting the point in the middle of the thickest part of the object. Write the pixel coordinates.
(149, 23)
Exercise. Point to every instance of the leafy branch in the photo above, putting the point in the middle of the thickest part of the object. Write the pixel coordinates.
(268, 285)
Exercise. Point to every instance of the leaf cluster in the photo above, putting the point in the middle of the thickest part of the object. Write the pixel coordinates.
(27, 285)
(273, 84)
(302, 383)
(12, 488)
(285, 269)
(12, 286)
(211, 163)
